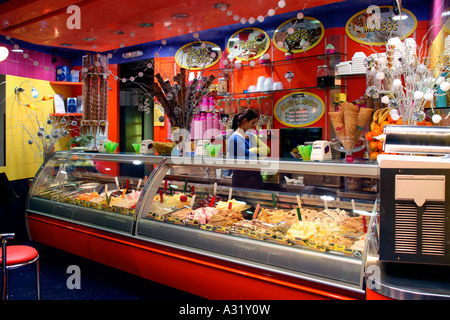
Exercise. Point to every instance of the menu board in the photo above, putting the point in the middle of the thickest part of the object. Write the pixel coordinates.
(299, 109)
(374, 25)
(298, 35)
(248, 44)
(198, 55)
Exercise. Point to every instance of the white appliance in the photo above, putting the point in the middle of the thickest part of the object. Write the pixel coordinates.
(321, 151)
(200, 147)
(415, 195)
(102, 148)
(147, 147)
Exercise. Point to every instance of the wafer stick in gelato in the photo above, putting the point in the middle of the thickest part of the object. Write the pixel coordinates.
(299, 202)
(265, 215)
(191, 205)
(255, 214)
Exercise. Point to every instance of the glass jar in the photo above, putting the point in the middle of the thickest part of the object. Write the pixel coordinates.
(222, 86)
(323, 76)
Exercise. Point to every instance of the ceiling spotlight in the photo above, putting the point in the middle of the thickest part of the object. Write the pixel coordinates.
(180, 15)
(132, 54)
(89, 39)
(221, 6)
(66, 45)
(117, 32)
(145, 25)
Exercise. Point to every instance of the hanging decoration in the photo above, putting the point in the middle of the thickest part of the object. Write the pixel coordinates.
(95, 94)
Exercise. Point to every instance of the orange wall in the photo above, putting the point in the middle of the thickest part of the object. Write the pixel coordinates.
(304, 70)
(165, 67)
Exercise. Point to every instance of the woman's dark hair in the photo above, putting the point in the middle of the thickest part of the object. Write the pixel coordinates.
(248, 114)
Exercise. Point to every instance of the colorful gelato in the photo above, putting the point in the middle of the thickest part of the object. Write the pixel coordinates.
(203, 215)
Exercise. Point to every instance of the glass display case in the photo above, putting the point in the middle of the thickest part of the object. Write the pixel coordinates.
(301, 219)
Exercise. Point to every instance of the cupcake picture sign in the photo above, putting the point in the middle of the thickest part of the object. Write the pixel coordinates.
(374, 25)
(299, 109)
(298, 35)
(248, 44)
(198, 55)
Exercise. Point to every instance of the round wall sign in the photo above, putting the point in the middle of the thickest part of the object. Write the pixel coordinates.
(376, 24)
(198, 55)
(298, 35)
(299, 109)
(248, 44)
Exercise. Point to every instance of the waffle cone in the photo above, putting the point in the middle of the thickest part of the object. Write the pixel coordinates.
(343, 106)
(364, 115)
(351, 119)
(337, 119)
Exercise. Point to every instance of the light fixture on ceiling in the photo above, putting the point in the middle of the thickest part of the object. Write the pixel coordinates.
(117, 32)
(66, 45)
(132, 54)
(221, 6)
(89, 39)
(4, 52)
(180, 15)
(145, 24)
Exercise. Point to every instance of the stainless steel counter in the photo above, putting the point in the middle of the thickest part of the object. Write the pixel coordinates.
(405, 281)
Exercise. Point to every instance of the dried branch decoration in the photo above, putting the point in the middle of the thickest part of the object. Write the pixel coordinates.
(180, 101)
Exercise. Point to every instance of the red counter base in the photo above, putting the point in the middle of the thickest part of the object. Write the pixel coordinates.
(372, 295)
(196, 274)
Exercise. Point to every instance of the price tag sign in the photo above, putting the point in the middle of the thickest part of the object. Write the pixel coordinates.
(198, 55)
(299, 109)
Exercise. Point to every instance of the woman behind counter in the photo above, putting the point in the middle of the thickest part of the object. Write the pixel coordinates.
(246, 145)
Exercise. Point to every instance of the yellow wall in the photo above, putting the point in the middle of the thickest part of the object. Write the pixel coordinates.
(23, 160)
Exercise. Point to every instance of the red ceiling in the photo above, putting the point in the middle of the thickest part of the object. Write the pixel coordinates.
(44, 22)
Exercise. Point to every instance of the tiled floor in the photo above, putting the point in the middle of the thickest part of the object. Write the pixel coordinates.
(98, 282)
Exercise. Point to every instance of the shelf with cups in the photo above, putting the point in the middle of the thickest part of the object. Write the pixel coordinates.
(352, 75)
(332, 58)
(271, 92)
(232, 97)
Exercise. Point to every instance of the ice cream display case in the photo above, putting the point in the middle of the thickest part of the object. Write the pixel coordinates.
(306, 221)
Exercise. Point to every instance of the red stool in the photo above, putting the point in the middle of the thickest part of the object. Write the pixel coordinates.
(17, 256)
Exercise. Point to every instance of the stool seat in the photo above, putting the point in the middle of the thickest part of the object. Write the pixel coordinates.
(18, 254)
